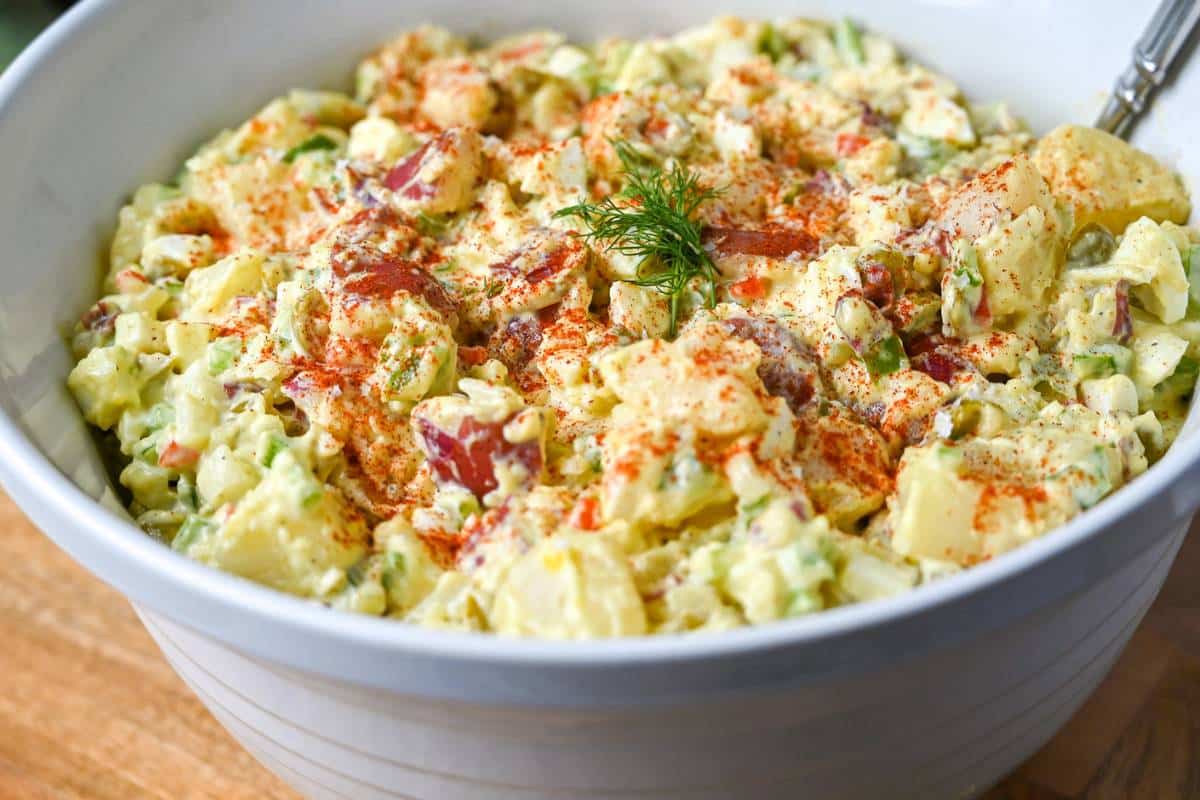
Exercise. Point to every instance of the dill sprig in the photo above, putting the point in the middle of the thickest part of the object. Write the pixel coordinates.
(652, 218)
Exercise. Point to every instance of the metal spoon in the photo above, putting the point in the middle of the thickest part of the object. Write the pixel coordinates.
(1153, 55)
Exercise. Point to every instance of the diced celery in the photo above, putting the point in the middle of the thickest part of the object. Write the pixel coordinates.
(1095, 365)
(185, 489)
(222, 353)
(925, 155)
(848, 40)
(160, 416)
(191, 531)
(1183, 381)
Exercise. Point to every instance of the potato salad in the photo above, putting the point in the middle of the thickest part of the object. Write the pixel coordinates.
(637, 337)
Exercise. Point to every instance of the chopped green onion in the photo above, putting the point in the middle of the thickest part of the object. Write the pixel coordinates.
(317, 142)
(791, 194)
(149, 452)
(1103, 360)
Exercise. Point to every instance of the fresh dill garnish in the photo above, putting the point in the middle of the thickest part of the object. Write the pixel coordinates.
(652, 218)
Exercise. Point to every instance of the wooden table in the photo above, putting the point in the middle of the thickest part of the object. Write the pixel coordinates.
(89, 709)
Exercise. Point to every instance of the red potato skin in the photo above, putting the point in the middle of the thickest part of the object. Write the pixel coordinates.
(787, 369)
(401, 178)
(771, 242)
(469, 455)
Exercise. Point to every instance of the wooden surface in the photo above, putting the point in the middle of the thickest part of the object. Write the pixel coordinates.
(89, 709)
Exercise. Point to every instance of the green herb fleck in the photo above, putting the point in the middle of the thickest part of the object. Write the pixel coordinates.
(652, 218)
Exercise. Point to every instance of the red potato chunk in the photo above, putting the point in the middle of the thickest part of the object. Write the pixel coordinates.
(536, 276)
(770, 242)
(384, 277)
(468, 456)
(937, 356)
(438, 177)
(787, 369)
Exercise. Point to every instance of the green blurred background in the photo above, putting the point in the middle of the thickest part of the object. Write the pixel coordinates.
(20, 21)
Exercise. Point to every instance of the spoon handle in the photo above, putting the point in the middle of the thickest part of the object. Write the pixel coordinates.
(1160, 43)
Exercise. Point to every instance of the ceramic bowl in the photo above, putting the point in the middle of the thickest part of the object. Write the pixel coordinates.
(934, 694)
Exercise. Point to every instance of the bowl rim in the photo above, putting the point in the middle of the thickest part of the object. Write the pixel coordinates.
(32, 478)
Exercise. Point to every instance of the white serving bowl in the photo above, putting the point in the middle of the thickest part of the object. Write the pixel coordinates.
(935, 694)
